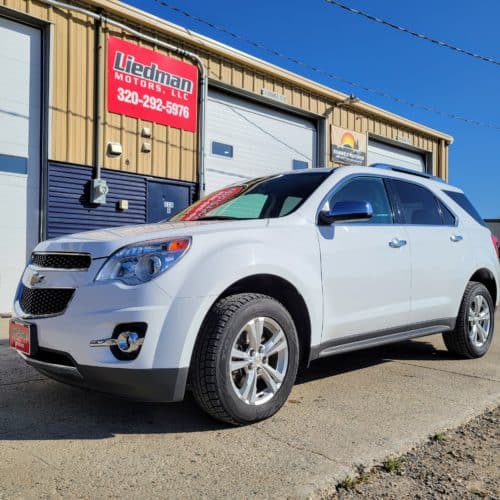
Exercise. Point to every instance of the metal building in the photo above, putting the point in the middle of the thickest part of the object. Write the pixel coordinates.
(97, 96)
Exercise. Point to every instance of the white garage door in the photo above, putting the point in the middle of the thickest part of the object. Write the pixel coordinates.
(20, 60)
(379, 152)
(247, 139)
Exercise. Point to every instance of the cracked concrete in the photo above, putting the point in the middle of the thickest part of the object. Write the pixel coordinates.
(351, 409)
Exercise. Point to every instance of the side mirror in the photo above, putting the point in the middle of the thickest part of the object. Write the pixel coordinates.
(346, 211)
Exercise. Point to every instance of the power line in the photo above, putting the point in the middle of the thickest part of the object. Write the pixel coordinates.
(421, 36)
(320, 71)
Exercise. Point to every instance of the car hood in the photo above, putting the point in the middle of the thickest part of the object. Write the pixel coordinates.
(103, 242)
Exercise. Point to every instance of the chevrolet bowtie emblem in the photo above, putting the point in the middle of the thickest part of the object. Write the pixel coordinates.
(36, 278)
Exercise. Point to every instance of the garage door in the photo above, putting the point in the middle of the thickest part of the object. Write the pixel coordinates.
(20, 60)
(246, 139)
(380, 152)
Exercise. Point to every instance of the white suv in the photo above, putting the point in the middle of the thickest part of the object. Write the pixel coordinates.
(233, 294)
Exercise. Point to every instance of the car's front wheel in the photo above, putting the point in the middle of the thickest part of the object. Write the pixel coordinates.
(475, 323)
(246, 359)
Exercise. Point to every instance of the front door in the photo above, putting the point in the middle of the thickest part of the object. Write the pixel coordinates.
(366, 277)
(20, 100)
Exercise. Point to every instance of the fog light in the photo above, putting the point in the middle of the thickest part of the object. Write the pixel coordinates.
(129, 342)
(126, 342)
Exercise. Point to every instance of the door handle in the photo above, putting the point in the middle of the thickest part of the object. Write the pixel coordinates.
(397, 243)
(456, 238)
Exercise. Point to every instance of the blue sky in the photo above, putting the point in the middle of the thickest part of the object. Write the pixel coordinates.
(382, 58)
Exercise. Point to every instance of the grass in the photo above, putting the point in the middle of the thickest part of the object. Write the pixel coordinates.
(393, 464)
(349, 483)
(439, 437)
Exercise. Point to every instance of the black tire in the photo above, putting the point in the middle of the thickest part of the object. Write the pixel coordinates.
(458, 341)
(210, 376)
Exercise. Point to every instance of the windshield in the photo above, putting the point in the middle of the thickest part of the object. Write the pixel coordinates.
(262, 198)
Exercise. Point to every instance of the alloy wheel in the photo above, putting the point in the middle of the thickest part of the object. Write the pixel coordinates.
(259, 361)
(479, 321)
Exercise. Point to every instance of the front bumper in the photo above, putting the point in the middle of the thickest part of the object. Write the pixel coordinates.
(153, 385)
(158, 373)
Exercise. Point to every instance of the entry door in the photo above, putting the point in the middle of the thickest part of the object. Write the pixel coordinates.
(366, 280)
(20, 101)
(245, 139)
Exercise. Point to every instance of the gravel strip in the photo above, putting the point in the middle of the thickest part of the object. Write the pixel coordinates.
(460, 464)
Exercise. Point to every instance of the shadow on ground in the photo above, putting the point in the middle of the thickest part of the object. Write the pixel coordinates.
(39, 409)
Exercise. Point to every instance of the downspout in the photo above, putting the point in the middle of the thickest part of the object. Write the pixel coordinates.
(97, 97)
(203, 84)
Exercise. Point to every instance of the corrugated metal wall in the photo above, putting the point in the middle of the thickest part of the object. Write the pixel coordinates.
(69, 210)
(68, 207)
(173, 152)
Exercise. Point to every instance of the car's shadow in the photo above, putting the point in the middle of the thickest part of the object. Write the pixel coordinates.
(409, 350)
(37, 408)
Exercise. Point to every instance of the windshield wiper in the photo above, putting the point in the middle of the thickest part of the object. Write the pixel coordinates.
(218, 217)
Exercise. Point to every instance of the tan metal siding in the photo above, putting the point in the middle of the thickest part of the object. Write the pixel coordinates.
(174, 152)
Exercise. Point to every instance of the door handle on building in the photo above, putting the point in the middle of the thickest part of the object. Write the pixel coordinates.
(456, 238)
(397, 243)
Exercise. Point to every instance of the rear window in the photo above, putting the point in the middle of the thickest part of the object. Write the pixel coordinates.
(464, 202)
(417, 204)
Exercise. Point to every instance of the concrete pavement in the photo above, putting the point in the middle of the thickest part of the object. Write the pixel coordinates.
(351, 409)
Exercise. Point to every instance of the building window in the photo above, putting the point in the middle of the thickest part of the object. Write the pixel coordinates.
(13, 164)
(299, 164)
(220, 149)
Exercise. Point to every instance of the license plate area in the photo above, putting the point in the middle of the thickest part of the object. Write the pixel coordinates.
(22, 337)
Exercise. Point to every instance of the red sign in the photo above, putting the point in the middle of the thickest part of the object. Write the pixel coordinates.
(145, 84)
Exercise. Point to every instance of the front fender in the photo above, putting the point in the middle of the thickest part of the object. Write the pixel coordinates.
(216, 265)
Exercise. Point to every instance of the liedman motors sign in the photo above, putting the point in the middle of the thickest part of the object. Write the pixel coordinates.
(151, 86)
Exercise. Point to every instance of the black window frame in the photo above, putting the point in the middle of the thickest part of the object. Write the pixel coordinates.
(398, 204)
(450, 211)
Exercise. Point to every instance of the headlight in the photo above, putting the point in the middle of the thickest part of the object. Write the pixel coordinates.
(141, 262)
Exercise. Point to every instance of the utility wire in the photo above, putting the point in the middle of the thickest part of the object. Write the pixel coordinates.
(320, 71)
(487, 59)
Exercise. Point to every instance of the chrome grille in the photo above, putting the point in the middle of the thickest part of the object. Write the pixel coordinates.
(45, 301)
(79, 261)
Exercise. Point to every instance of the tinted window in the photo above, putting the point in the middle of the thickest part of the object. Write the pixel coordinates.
(447, 216)
(371, 189)
(464, 202)
(266, 197)
(417, 204)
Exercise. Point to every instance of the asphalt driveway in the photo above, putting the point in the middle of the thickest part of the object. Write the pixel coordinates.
(351, 409)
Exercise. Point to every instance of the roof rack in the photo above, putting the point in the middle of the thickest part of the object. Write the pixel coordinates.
(396, 168)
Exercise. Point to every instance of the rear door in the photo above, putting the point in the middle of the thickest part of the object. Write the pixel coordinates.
(440, 252)
(366, 278)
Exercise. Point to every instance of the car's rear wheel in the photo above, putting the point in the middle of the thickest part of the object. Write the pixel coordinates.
(475, 323)
(246, 359)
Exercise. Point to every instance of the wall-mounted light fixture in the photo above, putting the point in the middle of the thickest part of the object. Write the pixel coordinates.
(351, 99)
(114, 149)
